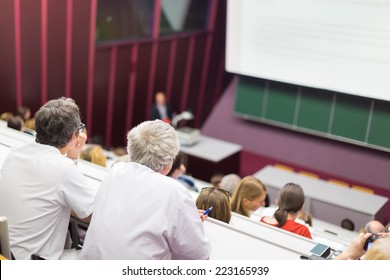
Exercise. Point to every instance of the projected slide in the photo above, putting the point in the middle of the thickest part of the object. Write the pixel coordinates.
(339, 45)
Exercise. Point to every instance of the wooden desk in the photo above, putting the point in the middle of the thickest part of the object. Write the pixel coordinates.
(2, 258)
(210, 155)
(327, 201)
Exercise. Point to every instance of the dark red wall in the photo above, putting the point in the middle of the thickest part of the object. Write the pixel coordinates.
(47, 50)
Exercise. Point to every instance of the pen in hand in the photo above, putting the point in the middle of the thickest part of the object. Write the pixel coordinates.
(207, 211)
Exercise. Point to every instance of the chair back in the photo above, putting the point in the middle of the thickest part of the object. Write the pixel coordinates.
(4, 239)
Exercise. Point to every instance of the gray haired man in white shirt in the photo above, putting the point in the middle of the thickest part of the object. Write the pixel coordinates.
(139, 212)
(40, 184)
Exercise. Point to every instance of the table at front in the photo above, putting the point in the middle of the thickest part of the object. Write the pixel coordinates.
(209, 156)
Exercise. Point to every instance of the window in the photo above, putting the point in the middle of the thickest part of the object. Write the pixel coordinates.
(123, 19)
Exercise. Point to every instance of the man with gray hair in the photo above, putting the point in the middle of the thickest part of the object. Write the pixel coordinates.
(374, 226)
(230, 182)
(40, 184)
(139, 212)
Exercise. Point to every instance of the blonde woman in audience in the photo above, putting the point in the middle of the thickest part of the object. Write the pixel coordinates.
(218, 199)
(5, 116)
(94, 154)
(248, 196)
(290, 201)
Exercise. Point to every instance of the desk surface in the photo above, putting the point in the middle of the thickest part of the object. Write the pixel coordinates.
(322, 190)
(211, 149)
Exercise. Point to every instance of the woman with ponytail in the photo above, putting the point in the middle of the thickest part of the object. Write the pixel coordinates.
(290, 201)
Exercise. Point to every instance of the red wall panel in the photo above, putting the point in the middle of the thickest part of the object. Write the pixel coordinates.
(7, 57)
(101, 88)
(56, 34)
(80, 50)
(123, 68)
(30, 24)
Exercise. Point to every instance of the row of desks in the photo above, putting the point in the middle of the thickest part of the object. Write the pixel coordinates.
(242, 239)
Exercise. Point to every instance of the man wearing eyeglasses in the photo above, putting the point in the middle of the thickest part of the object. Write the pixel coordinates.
(40, 184)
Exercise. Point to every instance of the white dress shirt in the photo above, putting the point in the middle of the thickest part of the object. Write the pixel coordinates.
(142, 214)
(38, 188)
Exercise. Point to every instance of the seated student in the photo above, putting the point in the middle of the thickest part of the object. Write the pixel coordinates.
(139, 212)
(24, 112)
(215, 180)
(40, 184)
(218, 199)
(387, 228)
(248, 196)
(6, 116)
(15, 122)
(374, 226)
(380, 250)
(305, 217)
(178, 171)
(94, 154)
(230, 182)
(290, 201)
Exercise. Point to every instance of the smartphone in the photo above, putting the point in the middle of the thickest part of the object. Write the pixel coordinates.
(321, 250)
(370, 241)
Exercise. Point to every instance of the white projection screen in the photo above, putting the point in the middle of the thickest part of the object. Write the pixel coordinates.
(338, 45)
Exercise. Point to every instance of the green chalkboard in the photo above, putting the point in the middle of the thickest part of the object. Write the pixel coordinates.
(281, 103)
(318, 104)
(351, 117)
(250, 100)
(330, 114)
(380, 125)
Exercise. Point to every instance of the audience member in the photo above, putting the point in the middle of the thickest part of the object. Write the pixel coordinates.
(248, 196)
(94, 154)
(219, 199)
(139, 212)
(380, 250)
(24, 112)
(387, 228)
(305, 217)
(290, 201)
(5, 116)
(40, 184)
(119, 151)
(161, 110)
(15, 122)
(29, 127)
(215, 180)
(230, 182)
(178, 171)
(374, 226)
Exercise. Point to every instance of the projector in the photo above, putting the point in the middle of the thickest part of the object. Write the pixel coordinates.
(188, 136)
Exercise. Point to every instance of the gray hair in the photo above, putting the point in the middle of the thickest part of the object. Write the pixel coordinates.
(230, 182)
(154, 144)
(56, 121)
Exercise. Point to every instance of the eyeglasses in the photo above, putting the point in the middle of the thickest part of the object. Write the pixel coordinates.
(220, 190)
(81, 128)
